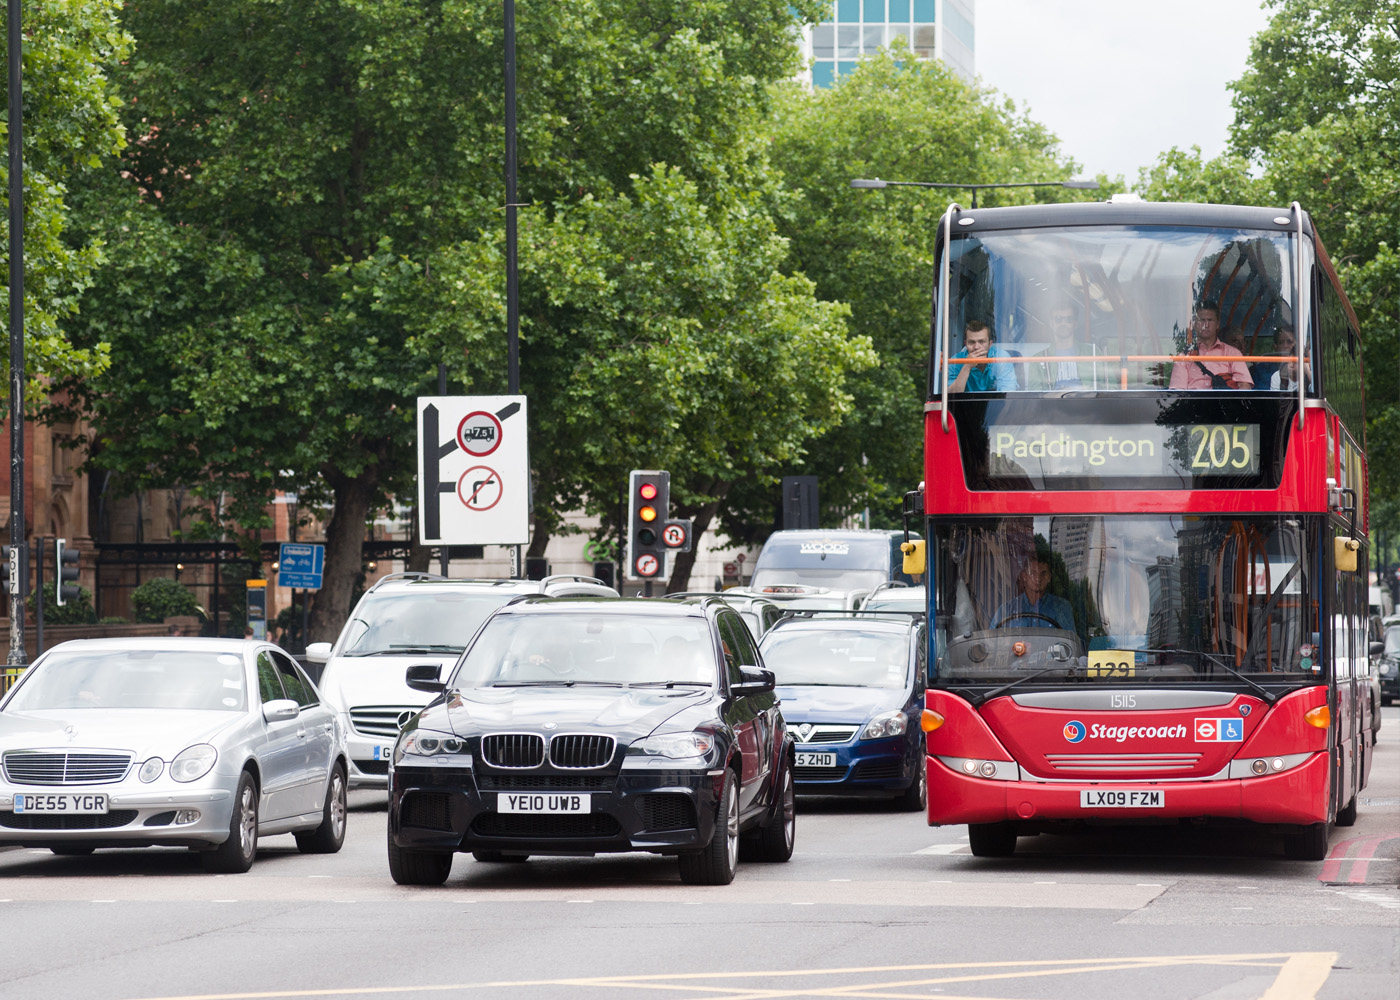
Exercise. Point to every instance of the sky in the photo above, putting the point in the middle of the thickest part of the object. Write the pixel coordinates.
(1120, 81)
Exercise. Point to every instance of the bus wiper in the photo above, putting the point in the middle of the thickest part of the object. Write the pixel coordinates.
(994, 692)
(1260, 689)
(1263, 692)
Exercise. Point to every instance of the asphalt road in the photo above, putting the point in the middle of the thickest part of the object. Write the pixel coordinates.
(874, 904)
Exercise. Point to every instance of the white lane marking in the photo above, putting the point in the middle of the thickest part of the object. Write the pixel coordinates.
(1378, 896)
(945, 849)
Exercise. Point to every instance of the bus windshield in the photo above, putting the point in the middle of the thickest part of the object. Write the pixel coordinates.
(1121, 307)
(1087, 598)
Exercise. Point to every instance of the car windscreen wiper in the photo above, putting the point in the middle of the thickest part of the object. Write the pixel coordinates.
(556, 683)
(668, 684)
(994, 692)
(425, 647)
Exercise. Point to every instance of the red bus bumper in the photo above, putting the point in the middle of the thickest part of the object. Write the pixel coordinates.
(1296, 796)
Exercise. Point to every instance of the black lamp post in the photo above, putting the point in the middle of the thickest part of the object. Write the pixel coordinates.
(19, 557)
(875, 184)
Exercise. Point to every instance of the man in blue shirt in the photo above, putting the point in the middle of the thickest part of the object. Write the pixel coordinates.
(1033, 607)
(977, 376)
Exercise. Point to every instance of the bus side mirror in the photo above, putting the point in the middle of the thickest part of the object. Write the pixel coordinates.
(1344, 554)
(915, 559)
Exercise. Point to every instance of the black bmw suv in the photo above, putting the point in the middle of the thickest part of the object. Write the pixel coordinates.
(579, 727)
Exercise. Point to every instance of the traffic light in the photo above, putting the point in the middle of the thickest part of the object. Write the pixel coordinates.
(648, 500)
(65, 564)
(8, 571)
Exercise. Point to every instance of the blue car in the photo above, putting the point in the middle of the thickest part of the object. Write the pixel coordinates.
(852, 689)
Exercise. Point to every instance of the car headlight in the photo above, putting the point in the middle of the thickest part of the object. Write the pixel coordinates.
(427, 743)
(193, 762)
(150, 770)
(889, 724)
(674, 745)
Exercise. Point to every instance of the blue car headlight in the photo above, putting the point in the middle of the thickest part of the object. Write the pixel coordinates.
(886, 725)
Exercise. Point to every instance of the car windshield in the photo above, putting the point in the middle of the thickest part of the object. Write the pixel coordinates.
(838, 656)
(907, 599)
(1392, 641)
(137, 678)
(1120, 307)
(425, 621)
(589, 649)
(1101, 598)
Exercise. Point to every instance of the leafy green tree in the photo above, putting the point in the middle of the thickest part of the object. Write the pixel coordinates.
(71, 126)
(1317, 121)
(900, 119)
(308, 222)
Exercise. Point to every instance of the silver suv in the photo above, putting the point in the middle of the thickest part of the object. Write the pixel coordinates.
(404, 619)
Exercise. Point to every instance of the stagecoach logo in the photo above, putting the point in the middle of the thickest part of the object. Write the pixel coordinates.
(405, 717)
(1074, 731)
(804, 731)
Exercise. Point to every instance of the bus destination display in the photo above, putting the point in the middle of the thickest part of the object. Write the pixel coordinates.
(1124, 451)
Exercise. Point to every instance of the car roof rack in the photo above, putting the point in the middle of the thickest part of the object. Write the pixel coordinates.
(573, 577)
(807, 614)
(412, 575)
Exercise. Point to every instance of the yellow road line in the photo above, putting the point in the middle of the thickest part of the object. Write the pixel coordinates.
(1301, 975)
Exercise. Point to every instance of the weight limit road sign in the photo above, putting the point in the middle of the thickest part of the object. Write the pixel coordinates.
(464, 500)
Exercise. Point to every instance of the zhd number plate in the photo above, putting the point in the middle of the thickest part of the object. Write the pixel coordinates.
(1122, 798)
(816, 759)
(68, 803)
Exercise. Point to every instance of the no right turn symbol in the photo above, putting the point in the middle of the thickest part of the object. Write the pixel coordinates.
(479, 488)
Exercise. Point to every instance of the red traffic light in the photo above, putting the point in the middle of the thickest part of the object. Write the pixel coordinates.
(648, 491)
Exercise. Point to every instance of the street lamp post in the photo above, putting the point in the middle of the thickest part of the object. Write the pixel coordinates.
(875, 183)
(19, 556)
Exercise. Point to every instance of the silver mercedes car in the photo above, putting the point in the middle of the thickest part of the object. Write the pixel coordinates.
(199, 743)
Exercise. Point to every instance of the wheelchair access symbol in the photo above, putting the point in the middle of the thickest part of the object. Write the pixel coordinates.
(479, 488)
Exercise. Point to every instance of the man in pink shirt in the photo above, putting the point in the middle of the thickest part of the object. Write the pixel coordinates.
(1197, 373)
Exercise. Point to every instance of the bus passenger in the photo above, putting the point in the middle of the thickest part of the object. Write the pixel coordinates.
(1033, 607)
(1053, 374)
(977, 376)
(1285, 377)
(1221, 373)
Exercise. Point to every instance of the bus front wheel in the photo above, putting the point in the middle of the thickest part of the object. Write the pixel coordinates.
(991, 840)
(1309, 843)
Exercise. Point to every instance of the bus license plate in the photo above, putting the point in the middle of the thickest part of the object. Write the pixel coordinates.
(542, 802)
(90, 804)
(816, 760)
(1123, 798)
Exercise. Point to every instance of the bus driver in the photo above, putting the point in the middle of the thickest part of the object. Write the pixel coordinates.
(1033, 607)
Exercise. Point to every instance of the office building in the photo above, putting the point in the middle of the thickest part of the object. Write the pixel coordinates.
(933, 29)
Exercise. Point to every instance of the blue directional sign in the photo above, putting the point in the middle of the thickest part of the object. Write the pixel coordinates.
(301, 566)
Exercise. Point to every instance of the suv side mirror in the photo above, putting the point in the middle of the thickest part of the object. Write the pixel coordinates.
(756, 681)
(1377, 649)
(318, 652)
(424, 677)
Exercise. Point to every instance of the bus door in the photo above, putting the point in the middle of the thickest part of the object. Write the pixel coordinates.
(1347, 618)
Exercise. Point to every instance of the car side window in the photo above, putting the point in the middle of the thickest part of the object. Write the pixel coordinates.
(293, 683)
(269, 687)
(748, 650)
(730, 629)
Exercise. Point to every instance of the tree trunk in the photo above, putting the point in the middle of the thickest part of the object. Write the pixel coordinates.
(420, 557)
(345, 537)
(685, 561)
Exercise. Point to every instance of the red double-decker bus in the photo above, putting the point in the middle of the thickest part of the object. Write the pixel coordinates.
(1146, 518)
